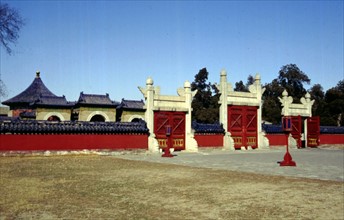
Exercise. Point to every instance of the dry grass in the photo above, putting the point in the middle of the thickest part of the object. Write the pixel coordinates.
(101, 187)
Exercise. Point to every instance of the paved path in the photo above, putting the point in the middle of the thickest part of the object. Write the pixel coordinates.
(315, 163)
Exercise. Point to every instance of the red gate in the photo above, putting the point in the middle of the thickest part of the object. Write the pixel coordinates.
(242, 124)
(177, 122)
(313, 131)
(297, 130)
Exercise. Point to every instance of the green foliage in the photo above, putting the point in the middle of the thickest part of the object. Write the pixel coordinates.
(334, 104)
(292, 79)
(271, 110)
(329, 106)
(240, 87)
(317, 94)
(205, 103)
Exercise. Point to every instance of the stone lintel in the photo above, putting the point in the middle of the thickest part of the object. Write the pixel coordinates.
(242, 94)
(160, 98)
(242, 103)
(169, 108)
(297, 112)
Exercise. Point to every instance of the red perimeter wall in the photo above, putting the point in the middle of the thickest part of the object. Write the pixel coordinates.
(281, 139)
(26, 142)
(23, 142)
(209, 140)
(331, 139)
(277, 139)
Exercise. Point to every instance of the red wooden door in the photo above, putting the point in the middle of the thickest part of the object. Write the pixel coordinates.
(296, 131)
(177, 122)
(313, 131)
(242, 124)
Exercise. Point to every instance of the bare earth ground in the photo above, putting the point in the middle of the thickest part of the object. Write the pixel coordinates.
(104, 187)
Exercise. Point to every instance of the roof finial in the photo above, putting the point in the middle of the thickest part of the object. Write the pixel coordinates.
(37, 74)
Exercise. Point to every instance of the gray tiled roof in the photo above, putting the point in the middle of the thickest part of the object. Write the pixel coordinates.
(53, 101)
(131, 104)
(93, 99)
(31, 94)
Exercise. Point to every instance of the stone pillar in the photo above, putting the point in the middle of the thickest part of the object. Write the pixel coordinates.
(262, 141)
(190, 142)
(223, 100)
(148, 93)
(308, 103)
(285, 101)
(228, 142)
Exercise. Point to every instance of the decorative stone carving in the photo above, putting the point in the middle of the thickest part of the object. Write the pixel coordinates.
(294, 109)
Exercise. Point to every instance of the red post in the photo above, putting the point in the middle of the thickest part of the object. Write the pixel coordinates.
(167, 152)
(287, 127)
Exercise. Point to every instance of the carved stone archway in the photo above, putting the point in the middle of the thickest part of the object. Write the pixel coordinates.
(89, 117)
(59, 115)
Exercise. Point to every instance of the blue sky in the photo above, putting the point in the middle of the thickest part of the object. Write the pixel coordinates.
(112, 47)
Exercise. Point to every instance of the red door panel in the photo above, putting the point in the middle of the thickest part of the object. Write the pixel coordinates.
(177, 122)
(242, 124)
(251, 127)
(296, 131)
(313, 131)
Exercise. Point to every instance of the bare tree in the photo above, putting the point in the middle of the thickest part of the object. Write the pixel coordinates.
(10, 25)
(3, 89)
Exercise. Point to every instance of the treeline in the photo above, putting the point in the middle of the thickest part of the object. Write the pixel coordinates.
(328, 105)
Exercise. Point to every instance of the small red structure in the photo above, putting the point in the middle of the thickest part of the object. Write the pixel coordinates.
(287, 127)
(167, 152)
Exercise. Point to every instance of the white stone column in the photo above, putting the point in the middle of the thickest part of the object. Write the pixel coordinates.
(223, 100)
(228, 142)
(149, 114)
(285, 101)
(190, 142)
(262, 141)
(148, 93)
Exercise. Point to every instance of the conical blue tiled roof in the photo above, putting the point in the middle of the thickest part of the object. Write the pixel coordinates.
(36, 90)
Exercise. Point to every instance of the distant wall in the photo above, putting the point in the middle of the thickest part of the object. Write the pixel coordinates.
(331, 139)
(325, 139)
(27, 142)
(209, 140)
(208, 135)
(277, 139)
(30, 135)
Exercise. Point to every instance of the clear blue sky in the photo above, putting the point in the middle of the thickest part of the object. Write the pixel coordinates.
(112, 47)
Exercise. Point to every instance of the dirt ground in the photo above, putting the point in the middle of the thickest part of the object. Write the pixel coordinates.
(104, 187)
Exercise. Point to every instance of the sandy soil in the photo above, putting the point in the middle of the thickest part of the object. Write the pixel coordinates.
(103, 187)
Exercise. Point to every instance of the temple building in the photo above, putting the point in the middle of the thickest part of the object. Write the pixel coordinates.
(91, 107)
(37, 102)
(130, 110)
